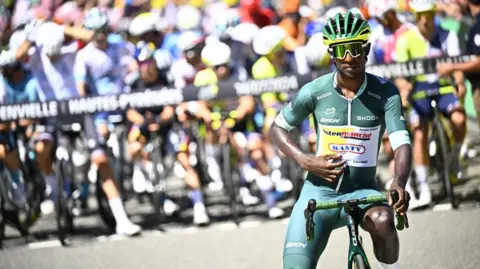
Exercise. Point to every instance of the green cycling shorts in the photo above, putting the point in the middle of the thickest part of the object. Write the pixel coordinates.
(298, 253)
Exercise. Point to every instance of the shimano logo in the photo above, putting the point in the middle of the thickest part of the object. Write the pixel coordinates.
(352, 135)
(296, 245)
(363, 118)
(324, 95)
(329, 120)
(374, 95)
(343, 148)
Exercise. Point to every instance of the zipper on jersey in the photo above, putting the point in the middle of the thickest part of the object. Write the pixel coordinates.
(349, 117)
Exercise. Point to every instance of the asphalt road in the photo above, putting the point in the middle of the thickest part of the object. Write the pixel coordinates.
(438, 238)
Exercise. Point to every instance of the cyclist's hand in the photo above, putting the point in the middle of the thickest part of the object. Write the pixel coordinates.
(401, 206)
(328, 166)
(444, 69)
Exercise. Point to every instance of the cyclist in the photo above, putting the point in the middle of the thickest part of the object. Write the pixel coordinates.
(159, 120)
(357, 107)
(17, 85)
(184, 69)
(54, 72)
(148, 27)
(242, 136)
(384, 39)
(428, 40)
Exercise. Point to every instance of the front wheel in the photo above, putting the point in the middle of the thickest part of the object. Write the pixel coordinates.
(103, 206)
(229, 182)
(447, 158)
(64, 215)
(359, 262)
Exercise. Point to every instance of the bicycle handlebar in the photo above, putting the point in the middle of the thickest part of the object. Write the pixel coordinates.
(402, 221)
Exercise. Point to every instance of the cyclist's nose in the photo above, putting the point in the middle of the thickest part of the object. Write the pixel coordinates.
(348, 57)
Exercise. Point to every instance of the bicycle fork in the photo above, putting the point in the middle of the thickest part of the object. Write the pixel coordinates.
(355, 247)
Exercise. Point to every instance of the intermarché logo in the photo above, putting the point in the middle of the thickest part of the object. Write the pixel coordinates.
(347, 135)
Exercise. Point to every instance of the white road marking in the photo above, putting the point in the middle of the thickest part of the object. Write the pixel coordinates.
(226, 226)
(250, 224)
(45, 244)
(442, 207)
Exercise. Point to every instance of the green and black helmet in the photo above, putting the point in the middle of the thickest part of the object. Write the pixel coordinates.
(346, 29)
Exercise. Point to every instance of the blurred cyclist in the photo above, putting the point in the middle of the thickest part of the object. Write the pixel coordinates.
(148, 27)
(384, 40)
(17, 85)
(243, 134)
(184, 69)
(159, 119)
(428, 40)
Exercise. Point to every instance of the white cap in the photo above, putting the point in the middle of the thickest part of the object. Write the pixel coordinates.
(188, 18)
(268, 39)
(216, 53)
(316, 51)
(377, 8)
(188, 40)
(422, 5)
(244, 32)
(50, 37)
(146, 22)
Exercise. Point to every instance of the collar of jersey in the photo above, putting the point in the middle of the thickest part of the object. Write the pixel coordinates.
(360, 91)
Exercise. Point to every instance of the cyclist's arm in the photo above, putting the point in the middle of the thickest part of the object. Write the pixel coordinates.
(398, 135)
(290, 116)
(167, 114)
(135, 117)
(78, 33)
(22, 51)
(245, 107)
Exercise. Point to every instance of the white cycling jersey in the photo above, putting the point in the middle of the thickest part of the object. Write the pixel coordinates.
(55, 79)
(183, 73)
(103, 71)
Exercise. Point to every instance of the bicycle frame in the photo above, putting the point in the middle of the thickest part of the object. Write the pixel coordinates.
(355, 246)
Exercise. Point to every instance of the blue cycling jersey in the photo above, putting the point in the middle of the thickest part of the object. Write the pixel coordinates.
(23, 92)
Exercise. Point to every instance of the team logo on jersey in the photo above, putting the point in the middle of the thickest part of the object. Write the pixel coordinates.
(324, 95)
(349, 135)
(347, 148)
(330, 111)
(367, 118)
(374, 95)
(332, 120)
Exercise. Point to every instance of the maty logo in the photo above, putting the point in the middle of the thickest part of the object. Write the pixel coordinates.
(343, 148)
(347, 135)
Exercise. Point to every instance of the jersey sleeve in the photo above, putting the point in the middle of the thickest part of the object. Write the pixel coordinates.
(297, 110)
(453, 44)
(394, 119)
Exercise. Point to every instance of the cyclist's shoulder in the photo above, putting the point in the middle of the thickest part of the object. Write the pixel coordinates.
(380, 86)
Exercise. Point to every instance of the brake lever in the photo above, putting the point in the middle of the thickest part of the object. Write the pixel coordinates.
(402, 221)
(309, 211)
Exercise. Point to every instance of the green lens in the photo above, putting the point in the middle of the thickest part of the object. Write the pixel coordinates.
(340, 51)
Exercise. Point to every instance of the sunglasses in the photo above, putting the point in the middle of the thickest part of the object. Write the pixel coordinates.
(354, 49)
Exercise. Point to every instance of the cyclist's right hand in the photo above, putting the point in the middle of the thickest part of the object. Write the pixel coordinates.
(329, 166)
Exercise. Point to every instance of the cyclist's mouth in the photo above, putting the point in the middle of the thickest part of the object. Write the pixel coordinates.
(349, 67)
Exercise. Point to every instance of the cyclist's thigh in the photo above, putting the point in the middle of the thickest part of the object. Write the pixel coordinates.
(298, 252)
(423, 108)
(447, 103)
(96, 143)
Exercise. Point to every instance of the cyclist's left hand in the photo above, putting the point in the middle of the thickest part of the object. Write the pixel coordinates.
(444, 69)
(401, 206)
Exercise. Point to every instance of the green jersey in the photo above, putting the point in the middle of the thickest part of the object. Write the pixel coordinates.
(351, 127)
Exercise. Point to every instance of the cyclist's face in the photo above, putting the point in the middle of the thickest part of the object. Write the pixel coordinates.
(385, 20)
(426, 21)
(350, 60)
(148, 70)
(222, 71)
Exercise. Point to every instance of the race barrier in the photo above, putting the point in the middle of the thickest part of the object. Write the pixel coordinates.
(155, 97)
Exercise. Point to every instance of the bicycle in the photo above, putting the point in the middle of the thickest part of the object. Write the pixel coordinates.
(357, 259)
(441, 144)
